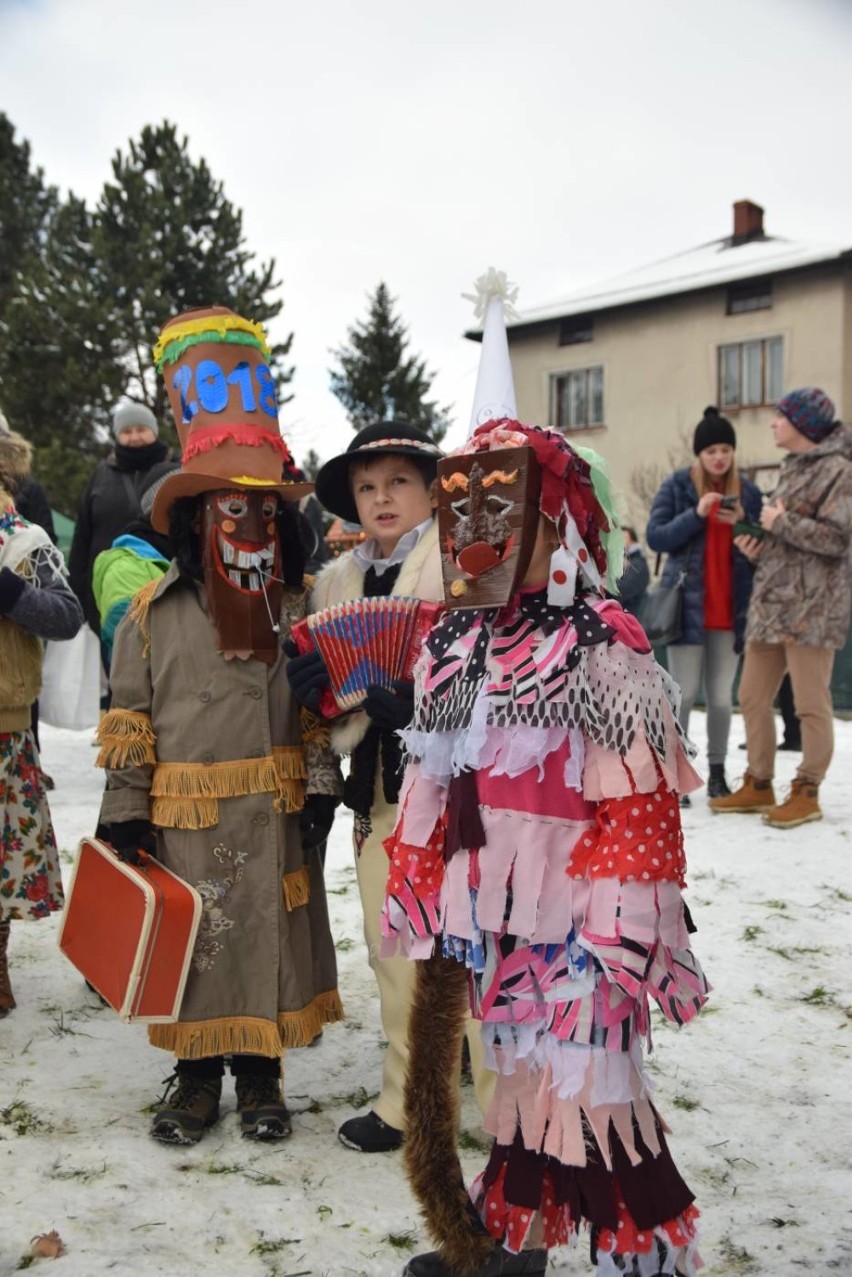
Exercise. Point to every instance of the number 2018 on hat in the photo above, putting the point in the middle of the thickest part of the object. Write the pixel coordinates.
(211, 387)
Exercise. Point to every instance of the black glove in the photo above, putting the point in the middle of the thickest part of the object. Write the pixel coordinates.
(308, 677)
(129, 837)
(12, 587)
(390, 710)
(316, 819)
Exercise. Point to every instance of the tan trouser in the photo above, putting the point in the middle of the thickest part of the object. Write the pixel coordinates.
(764, 667)
(396, 977)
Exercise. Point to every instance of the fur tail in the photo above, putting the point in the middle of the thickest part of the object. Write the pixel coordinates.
(435, 1034)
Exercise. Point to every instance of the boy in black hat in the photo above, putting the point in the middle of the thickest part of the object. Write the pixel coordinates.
(385, 481)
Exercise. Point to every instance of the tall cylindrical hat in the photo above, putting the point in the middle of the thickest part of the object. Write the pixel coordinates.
(215, 365)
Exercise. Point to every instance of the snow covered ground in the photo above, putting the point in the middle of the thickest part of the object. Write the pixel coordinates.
(756, 1091)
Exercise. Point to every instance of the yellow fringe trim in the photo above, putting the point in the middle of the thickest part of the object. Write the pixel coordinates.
(209, 324)
(314, 730)
(297, 888)
(246, 1035)
(126, 736)
(185, 795)
(140, 606)
(185, 813)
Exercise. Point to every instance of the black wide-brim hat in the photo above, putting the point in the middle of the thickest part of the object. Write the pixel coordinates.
(392, 438)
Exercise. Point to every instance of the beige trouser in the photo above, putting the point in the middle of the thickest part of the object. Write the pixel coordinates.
(396, 977)
(764, 667)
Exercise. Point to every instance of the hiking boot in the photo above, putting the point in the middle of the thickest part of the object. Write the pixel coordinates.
(7, 997)
(500, 1263)
(684, 801)
(263, 1113)
(194, 1106)
(369, 1134)
(717, 786)
(752, 795)
(799, 807)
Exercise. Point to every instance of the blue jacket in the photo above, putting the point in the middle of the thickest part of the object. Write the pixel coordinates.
(676, 529)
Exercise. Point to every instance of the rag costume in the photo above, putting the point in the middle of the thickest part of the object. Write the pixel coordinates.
(536, 869)
(36, 603)
(204, 740)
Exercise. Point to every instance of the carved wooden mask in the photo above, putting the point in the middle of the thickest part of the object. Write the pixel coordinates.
(488, 506)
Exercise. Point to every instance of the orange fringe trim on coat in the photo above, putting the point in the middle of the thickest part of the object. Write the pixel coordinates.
(126, 737)
(186, 795)
(314, 730)
(297, 888)
(247, 1035)
(140, 606)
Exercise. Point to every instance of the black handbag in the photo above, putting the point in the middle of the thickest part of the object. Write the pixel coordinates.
(662, 612)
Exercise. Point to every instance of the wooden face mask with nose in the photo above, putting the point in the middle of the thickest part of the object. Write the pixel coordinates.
(487, 520)
(242, 571)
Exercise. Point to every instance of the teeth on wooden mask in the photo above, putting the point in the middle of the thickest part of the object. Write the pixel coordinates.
(487, 519)
(242, 570)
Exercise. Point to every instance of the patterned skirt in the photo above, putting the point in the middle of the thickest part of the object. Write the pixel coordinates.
(30, 882)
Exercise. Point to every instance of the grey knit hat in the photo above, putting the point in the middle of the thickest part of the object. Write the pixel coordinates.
(133, 414)
(155, 479)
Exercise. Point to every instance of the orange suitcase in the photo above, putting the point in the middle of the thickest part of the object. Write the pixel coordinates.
(130, 932)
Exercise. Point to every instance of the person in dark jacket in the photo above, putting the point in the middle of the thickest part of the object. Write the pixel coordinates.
(634, 580)
(692, 522)
(112, 497)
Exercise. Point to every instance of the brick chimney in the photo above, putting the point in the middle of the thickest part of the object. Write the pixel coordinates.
(748, 221)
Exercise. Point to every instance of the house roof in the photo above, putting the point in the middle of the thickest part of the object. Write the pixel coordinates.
(722, 261)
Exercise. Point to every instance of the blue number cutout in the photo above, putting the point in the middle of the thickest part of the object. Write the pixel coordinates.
(241, 376)
(212, 390)
(268, 402)
(181, 382)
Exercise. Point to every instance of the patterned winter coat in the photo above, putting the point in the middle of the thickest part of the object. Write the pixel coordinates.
(677, 530)
(802, 583)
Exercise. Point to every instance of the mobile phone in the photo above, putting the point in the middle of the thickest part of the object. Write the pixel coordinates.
(728, 503)
(746, 529)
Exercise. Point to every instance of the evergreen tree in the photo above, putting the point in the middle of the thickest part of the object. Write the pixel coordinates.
(169, 240)
(311, 464)
(378, 380)
(58, 373)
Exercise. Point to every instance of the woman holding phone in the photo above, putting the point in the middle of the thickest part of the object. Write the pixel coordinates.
(692, 522)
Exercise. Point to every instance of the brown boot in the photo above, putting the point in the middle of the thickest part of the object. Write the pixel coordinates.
(752, 795)
(193, 1106)
(7, 997)
(799, 807)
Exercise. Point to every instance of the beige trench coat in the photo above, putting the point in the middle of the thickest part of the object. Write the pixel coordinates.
(216, 755)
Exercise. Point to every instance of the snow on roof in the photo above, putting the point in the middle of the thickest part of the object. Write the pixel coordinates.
(719, 262)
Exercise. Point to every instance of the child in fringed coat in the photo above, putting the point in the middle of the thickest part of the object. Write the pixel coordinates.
(536, 870)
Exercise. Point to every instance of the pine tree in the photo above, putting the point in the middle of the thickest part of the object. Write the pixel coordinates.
(378, 380)
(58, 371)
(311, 464)
(169, 240)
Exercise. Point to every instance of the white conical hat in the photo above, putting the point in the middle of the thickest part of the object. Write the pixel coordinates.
(494, 396)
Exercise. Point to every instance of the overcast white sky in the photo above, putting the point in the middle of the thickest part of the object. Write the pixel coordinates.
(563, 141)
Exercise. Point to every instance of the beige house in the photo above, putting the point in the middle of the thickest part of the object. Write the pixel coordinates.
(628, 367)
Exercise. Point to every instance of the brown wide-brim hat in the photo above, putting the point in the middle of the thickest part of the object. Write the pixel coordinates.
(191, 483)
(384, 438)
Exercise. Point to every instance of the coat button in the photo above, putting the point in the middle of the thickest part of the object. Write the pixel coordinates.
(261, 818)
(255, 693)
(208, 758)
(205, 697)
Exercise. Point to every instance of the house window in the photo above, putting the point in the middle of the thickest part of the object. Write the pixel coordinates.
(576, 329)
(751, 373)
(576, 399)
(743, 298)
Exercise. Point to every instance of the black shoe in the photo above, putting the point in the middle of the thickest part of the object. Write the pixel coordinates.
(369, 1134)
(263, 1113)
(791, 746)
(500, 1263)
(194, 1106)
(685, 800)
(717, 786)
